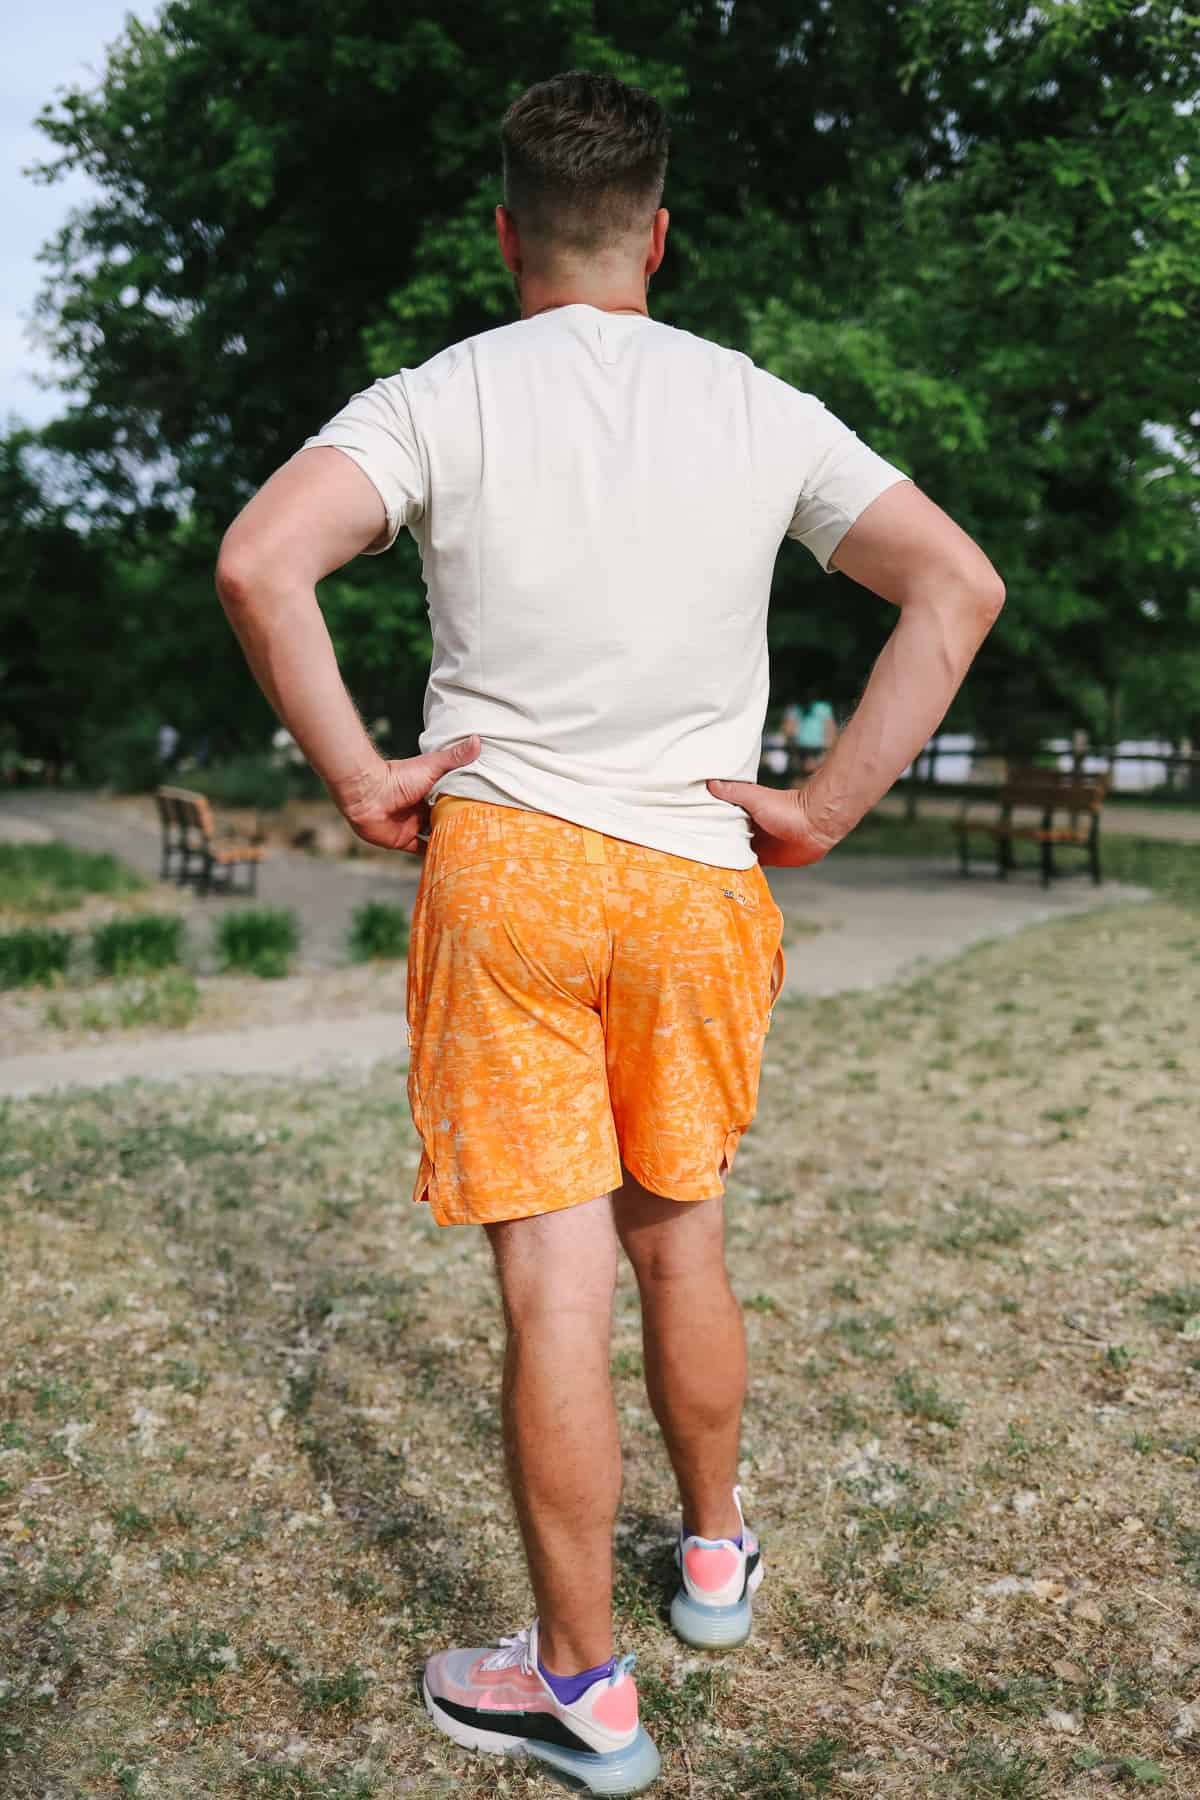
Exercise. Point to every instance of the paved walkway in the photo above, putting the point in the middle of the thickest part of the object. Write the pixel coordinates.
(879, 919)
(1169, 824)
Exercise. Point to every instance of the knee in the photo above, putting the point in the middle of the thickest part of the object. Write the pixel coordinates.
(662, 1268)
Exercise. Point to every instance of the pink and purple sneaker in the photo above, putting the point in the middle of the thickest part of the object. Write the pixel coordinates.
(717, 1578)
(497, 1699)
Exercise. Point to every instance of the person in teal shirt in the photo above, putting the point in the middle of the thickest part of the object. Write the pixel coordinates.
(810, 730)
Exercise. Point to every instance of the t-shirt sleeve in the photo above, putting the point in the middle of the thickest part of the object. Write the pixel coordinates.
(375, 429)
(840, 475)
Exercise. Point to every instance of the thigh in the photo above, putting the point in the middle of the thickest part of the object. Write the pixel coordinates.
(507, 1078)
(697, 967)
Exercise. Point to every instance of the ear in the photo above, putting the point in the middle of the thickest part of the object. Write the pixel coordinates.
(658, 239)
(508, 240)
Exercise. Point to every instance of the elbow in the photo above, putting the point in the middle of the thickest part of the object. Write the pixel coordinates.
(991, 601)
(234, 579)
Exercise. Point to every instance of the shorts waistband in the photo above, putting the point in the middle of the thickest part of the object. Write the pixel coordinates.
(445, 804)
(511, 823)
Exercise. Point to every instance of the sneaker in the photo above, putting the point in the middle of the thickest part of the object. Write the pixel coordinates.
(711, 1610)
(495, 1699)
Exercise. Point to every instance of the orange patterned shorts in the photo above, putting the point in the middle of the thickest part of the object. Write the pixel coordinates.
(577, 1002)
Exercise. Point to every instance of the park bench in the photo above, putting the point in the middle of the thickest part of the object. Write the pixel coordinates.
(1030, 803)
(192, 849)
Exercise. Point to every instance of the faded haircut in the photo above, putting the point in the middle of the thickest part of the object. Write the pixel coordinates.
(585, 160)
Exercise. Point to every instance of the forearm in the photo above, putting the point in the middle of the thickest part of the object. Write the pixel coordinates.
(291, 655)
(917, 675)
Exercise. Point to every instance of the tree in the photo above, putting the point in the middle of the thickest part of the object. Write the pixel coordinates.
(971, 227)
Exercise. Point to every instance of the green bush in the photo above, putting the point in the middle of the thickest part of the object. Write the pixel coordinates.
(31, 954)
(124, 757)
(246, 780)
(259, 940)
(47, 878)
(151, 941)
(378, 929)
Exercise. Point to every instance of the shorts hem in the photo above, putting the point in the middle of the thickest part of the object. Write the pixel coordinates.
(459, 1214)
(683, 1191)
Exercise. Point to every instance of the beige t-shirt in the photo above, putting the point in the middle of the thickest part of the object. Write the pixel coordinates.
(598, 499)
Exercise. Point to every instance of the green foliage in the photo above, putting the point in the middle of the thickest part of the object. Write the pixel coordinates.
(259, 940)
(48, 878)
(146, 941)
(122, 755)
(378, 929)
(33, 954)
(250, 780)
(987, 264)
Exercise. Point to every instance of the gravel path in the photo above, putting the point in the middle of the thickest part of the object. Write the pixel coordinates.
(855, 922)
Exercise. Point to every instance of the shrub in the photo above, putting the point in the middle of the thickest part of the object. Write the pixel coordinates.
(33, 953)
(151, 941)
(245, 780)
(260, 940)
(378, 929)
(124, 757)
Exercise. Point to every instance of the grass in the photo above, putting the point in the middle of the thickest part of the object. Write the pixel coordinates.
(33, 955)
(259, 940)
(40, 879)
(250, 1460)
(149, 941)
(378, 929)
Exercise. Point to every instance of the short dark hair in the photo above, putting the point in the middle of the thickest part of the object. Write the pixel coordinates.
(584, 157)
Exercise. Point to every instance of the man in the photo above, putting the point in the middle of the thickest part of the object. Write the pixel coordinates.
(599, 500)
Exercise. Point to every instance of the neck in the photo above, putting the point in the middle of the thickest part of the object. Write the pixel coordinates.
(538, 294)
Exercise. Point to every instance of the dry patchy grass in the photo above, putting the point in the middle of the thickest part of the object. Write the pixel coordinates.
(249, 1459)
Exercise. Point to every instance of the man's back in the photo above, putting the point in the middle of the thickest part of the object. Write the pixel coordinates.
(599, 499)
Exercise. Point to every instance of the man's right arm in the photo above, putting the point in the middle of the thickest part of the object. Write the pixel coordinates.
(906, 549)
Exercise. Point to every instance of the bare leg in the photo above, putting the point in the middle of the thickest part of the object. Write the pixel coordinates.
(557, 1273)
(694, 1345)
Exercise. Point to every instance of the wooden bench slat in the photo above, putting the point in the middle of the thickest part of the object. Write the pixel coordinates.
(182, 813)
(1047, 792)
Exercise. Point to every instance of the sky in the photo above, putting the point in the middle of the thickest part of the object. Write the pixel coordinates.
(57, 44)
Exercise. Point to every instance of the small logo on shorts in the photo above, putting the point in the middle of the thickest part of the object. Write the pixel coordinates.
(732, 894)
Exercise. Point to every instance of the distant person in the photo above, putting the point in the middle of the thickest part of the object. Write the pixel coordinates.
(775, 752)
(168, 747)
(599, 499)
(812, 731)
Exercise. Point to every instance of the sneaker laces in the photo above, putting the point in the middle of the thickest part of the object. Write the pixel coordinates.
(513, 1653)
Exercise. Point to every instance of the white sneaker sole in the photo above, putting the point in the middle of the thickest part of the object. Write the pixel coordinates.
(714, 1627)
(627, 1771)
